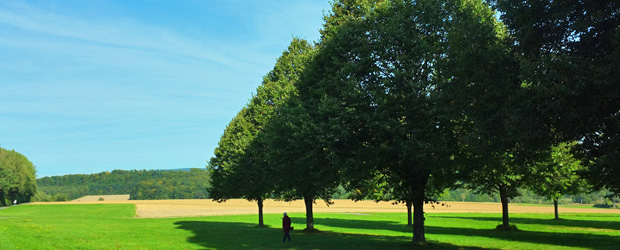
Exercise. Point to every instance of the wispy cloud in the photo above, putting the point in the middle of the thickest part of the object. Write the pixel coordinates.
(112, 88)
(123, 33)
(112, 55)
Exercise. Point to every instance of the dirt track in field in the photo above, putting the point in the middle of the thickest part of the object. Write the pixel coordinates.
(188, 208)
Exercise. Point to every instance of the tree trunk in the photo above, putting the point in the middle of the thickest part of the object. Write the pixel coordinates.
(409, 222)
(260, 213)
(418, 192)
(555, 206)
(418, 221)
(502, 196)
(309, 216)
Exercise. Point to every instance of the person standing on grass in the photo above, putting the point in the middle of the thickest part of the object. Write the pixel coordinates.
(286, 226)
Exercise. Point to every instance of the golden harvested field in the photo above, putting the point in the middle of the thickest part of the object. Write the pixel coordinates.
(186, 208)
(104, 197)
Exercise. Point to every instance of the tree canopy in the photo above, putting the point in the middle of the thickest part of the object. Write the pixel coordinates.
(558, 175)
(378, 88)
(17, 177)
(139, 184)
(240, 168)
(569, 52)
(401, 99)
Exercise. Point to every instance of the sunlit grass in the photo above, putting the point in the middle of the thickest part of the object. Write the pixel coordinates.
(113, 226)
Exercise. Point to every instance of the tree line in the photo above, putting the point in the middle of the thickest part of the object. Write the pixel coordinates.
(17, 177)
(597, 199)
(401, 100)
(139, 184)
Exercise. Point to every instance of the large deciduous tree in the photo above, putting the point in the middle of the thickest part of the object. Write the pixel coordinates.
(500, 132)
(558, 175)
(238, 168)
(498, 175)
(222, 167)
(300, 159)
(17, 177)
(570, 53)
(376, 90)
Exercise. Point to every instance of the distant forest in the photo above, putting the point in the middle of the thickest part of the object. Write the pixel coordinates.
(139, 184)
(192, 184)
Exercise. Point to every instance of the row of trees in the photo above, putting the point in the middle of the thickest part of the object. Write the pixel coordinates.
(527, 196)
(402, 99)
(139, 184)
(17, 177)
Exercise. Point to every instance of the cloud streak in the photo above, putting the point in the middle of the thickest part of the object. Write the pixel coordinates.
(125, 33)
(107, 86)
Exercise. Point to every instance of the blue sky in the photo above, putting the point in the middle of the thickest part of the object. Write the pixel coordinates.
(95, 85)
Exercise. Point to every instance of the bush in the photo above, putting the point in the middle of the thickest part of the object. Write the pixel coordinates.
(41, 196)
(60, 197)
(606, 204)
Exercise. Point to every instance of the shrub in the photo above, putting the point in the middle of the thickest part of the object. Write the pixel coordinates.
(606, 204)
(60, 197)
(41, 196)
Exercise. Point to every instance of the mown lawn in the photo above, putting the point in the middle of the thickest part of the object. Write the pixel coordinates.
(107, 226)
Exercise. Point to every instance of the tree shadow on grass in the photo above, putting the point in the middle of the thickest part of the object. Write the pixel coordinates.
(584, 240)
(576, 239)
(357, 224)
(593, 224)
(235, 235)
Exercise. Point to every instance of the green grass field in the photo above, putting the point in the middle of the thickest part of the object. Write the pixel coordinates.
(107, 226)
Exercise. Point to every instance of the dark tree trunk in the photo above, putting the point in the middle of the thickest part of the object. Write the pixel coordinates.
(503, 193)
(309, 216)
(260, 213)
(555, 206)
(418, 191)
(409, 222)
(418, 222)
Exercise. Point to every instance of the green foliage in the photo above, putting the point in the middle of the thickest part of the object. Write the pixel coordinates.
(569, 52)
(527, 196)
(224, 181)
(607, 204)
(595, 197)
(403, 96)
(17, 178)
(139, 184)
(559, 175)
(301, 167)
(241, 166)
(490, 179)
(376, 90)
(498, 129)
(60, 197)
(41, 196)
(343, 11)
